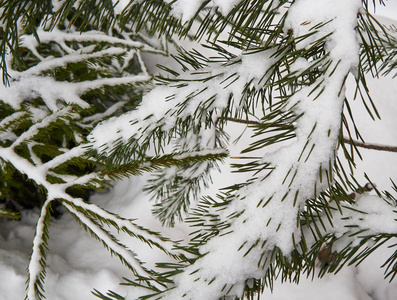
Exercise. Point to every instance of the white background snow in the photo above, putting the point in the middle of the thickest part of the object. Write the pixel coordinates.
(77, 263)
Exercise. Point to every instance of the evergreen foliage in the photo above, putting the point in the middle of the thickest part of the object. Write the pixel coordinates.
(76, 113)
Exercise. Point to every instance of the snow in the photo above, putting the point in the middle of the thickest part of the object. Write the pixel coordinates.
(34, 129)
(119, 5)
(388, 10)
(276, 222)
(36, 260)
(35, 86)
(33, 83)
(186, 9)
(163, 105)
(12, 275)
(76, 263)
(344, 286)
(61, 37)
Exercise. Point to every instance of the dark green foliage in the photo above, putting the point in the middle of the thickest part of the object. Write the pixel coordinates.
(43, 129)
(68, 130)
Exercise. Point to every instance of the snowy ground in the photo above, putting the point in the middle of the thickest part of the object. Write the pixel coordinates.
(77, 263)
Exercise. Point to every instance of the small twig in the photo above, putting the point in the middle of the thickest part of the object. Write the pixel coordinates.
(346, 140)
(371, 146)
(177, 160)
(250, 122)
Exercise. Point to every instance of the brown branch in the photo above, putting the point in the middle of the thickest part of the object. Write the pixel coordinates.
(249, 122)
(346, 140)
(371, 146)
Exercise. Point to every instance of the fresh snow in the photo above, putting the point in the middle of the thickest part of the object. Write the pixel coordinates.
(279, 215)
(76, 263)
(184, 9)
(33, 83)
(154, 111)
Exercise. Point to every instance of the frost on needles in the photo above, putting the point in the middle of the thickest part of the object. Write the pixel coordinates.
(279, 67)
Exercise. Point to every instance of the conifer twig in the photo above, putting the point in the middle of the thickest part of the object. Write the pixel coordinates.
(211, 154)
(371, 146)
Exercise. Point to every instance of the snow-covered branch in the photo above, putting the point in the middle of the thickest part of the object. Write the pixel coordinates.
(37, 263)
(281, 66)
(267, 218)
(369, 215)
(189, 99)
(60, 37)
(116, 248)
(46, 121)
(125, 225)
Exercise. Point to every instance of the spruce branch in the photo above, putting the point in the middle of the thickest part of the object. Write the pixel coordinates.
(121, 224)
(353, 232)
(292, 69)
(154, 163)
(75, 57)
(6, 213)
(292, 110)
(44, 123)
(111, 243)
(94, 37)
